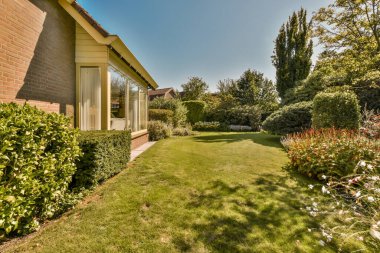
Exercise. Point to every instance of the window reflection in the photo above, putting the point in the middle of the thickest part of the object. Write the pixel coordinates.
(118, 100)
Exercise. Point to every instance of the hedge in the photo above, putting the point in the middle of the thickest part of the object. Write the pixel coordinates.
(210, 126)
(244, 115)
(38, 151)
(196, 110)
(336, 109)
(175, 105)
(290, 119)
(106, 153)
(161, 115)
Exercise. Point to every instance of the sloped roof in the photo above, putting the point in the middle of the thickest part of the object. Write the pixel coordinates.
(159, 92)
(114, 42)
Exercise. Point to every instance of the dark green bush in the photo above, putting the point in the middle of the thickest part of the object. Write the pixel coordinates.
(106, 153)
(163, 115)
(337, 109)
(158, 130)
(195, 110)
(38, 151)
(244, 115)
(210, 126)
(175, 105)
(289, 119)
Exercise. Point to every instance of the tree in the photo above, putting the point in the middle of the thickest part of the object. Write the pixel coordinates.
(194, 89)
(252, 88)
(350, 33)
(293, 51)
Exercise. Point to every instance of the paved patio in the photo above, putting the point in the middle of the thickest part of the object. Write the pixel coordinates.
(138, 151)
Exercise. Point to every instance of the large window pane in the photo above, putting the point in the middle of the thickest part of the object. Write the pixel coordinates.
(90, 93)
(118, 100)
(143, 109)
(133, 107)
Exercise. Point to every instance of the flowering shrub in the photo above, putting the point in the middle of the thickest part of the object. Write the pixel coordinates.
(353, 201)
(183, 131)
(330, 152)
(371, 125)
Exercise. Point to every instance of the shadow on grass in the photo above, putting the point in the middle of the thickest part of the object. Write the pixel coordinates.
(261, 216)
(259, 138)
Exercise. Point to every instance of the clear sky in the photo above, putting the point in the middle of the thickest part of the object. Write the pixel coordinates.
(212, 39)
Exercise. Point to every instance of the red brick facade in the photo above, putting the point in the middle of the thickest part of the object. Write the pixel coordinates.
(37, 55)
(139, 140)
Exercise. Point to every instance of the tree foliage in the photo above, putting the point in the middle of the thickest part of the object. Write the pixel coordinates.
(293, 51)
(194, 89)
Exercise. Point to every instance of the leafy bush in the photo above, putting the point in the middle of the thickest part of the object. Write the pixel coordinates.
(106, 153)
(163, 115)
(330, 152)
(175, 105)
(337, 109)
(289, 119)
(245, 116)
(195, 110)
(38, 151)
(210, 126)
(183, 131)
(158, 130)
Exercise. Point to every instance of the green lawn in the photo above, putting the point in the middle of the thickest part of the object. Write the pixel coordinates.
(209, 193)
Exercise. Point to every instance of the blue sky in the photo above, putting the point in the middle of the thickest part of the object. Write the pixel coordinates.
(212, 39)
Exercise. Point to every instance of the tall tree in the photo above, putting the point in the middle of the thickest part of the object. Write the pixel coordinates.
(252, 88)
(194, 89)
(293, 51)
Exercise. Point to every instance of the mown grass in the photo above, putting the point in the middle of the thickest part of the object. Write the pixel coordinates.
(217, 192)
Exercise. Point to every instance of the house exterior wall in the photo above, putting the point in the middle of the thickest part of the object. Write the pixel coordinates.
(139, 140)
(37, 55)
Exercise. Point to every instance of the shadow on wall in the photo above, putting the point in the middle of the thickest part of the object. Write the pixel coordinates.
(258, 138)
(51, 73)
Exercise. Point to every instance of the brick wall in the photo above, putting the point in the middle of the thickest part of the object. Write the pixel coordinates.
(37, 55)
(140, 140)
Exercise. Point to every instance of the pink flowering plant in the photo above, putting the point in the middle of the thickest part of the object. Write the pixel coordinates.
(347, 166)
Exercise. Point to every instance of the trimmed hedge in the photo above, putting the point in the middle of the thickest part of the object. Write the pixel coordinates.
(161, 115)
(106, 153)
(210, 126)
(290, 119)
(245, 116)
(158, 130)
(175, 105)
(38, 151)
(195, 110)
(336, 109)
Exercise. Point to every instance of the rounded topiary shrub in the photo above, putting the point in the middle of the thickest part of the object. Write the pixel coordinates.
(290, 119)
(195, 110)
(158, 130)
(37, 161)
(161, 115)
(336, 109)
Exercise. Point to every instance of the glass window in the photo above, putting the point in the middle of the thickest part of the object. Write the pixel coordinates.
(133, 107)
(143, 109)
(90, 98)
(118, 100)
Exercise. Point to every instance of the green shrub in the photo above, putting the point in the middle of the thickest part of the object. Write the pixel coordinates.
(106, 153)
(183, 131)
(337, 109)
(158, 130)
(163, 115)
(175, 105)
(38, 151)
(195, 110)
(244, 115)
(330, 152)
(289, 119)
(210, 126)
